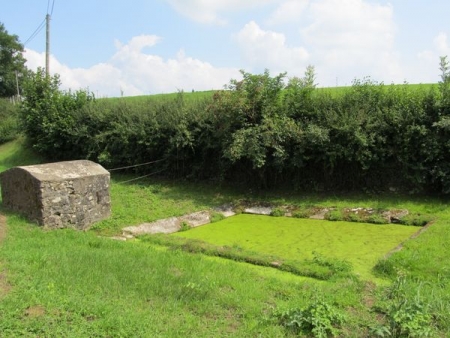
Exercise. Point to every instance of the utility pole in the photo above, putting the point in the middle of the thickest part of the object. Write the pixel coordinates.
(17, 85)
(47, 45)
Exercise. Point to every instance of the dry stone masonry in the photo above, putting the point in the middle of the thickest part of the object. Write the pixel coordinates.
(71, 194)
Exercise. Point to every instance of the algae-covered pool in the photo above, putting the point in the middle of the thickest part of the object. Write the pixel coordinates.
(361, 244)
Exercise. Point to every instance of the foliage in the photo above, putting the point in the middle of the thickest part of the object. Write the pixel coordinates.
(334, 215)
(416, 219)
(319, 319)
(277, 212)
(12, 63)
(9, 121)
(216, 217)
(184, 227)
(260, 132)
(47, 116)
(406, 316)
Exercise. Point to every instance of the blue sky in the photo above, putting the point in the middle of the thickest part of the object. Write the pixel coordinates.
(159, 46)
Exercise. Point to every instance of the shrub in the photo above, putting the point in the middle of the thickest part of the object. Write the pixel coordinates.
(47, 116)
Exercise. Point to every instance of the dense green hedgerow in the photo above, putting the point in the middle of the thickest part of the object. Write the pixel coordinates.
(263, 131)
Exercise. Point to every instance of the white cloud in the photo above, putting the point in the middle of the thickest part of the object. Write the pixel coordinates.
(268, 49)
(428, 71)
(289, 11)
(347, 38)
(442, 45)
(208, 11)
(136, 73)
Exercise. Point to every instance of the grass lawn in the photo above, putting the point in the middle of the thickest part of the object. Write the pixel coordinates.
(361, 244)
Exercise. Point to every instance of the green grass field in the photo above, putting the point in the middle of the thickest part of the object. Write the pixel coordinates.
(78, 284)
(206, 95)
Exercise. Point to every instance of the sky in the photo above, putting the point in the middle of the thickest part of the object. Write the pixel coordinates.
(141, 47)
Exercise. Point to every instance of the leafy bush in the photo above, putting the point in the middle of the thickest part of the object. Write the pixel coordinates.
(47, 116)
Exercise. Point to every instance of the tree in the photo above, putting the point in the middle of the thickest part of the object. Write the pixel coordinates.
(444, 84)
(12, 62)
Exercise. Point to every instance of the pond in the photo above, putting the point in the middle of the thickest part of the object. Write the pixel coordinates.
(361, 244)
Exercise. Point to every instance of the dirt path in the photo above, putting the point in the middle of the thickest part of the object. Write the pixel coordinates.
(2, 228)
(4, 286)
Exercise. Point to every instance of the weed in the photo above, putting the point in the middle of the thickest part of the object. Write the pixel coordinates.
(216, 217)
(379, 330)
(376, 218)
(300, 214)
(334, 215)
(353, 217)
(277, 212)
(319, 319)
(184, 226)
(415, 220)
(336, 265)
(385, 267)
(407, 316)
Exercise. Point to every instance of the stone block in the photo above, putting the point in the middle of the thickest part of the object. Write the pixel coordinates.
(71, 194)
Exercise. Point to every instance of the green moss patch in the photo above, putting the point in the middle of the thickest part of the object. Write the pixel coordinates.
(360, 244)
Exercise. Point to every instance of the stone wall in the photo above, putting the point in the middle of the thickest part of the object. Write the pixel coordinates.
(57, 195)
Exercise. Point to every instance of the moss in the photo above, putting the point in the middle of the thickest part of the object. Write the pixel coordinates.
(360, 244)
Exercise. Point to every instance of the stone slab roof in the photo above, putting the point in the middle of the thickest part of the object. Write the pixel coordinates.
(61, 171)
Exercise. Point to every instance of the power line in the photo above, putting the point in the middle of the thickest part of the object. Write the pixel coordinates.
(41, 25)
(138, 178)
(135, 165)
(53, 5)
(48, 6)
(36, 32)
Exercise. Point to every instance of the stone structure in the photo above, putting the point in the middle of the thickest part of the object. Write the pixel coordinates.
(56, 195)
